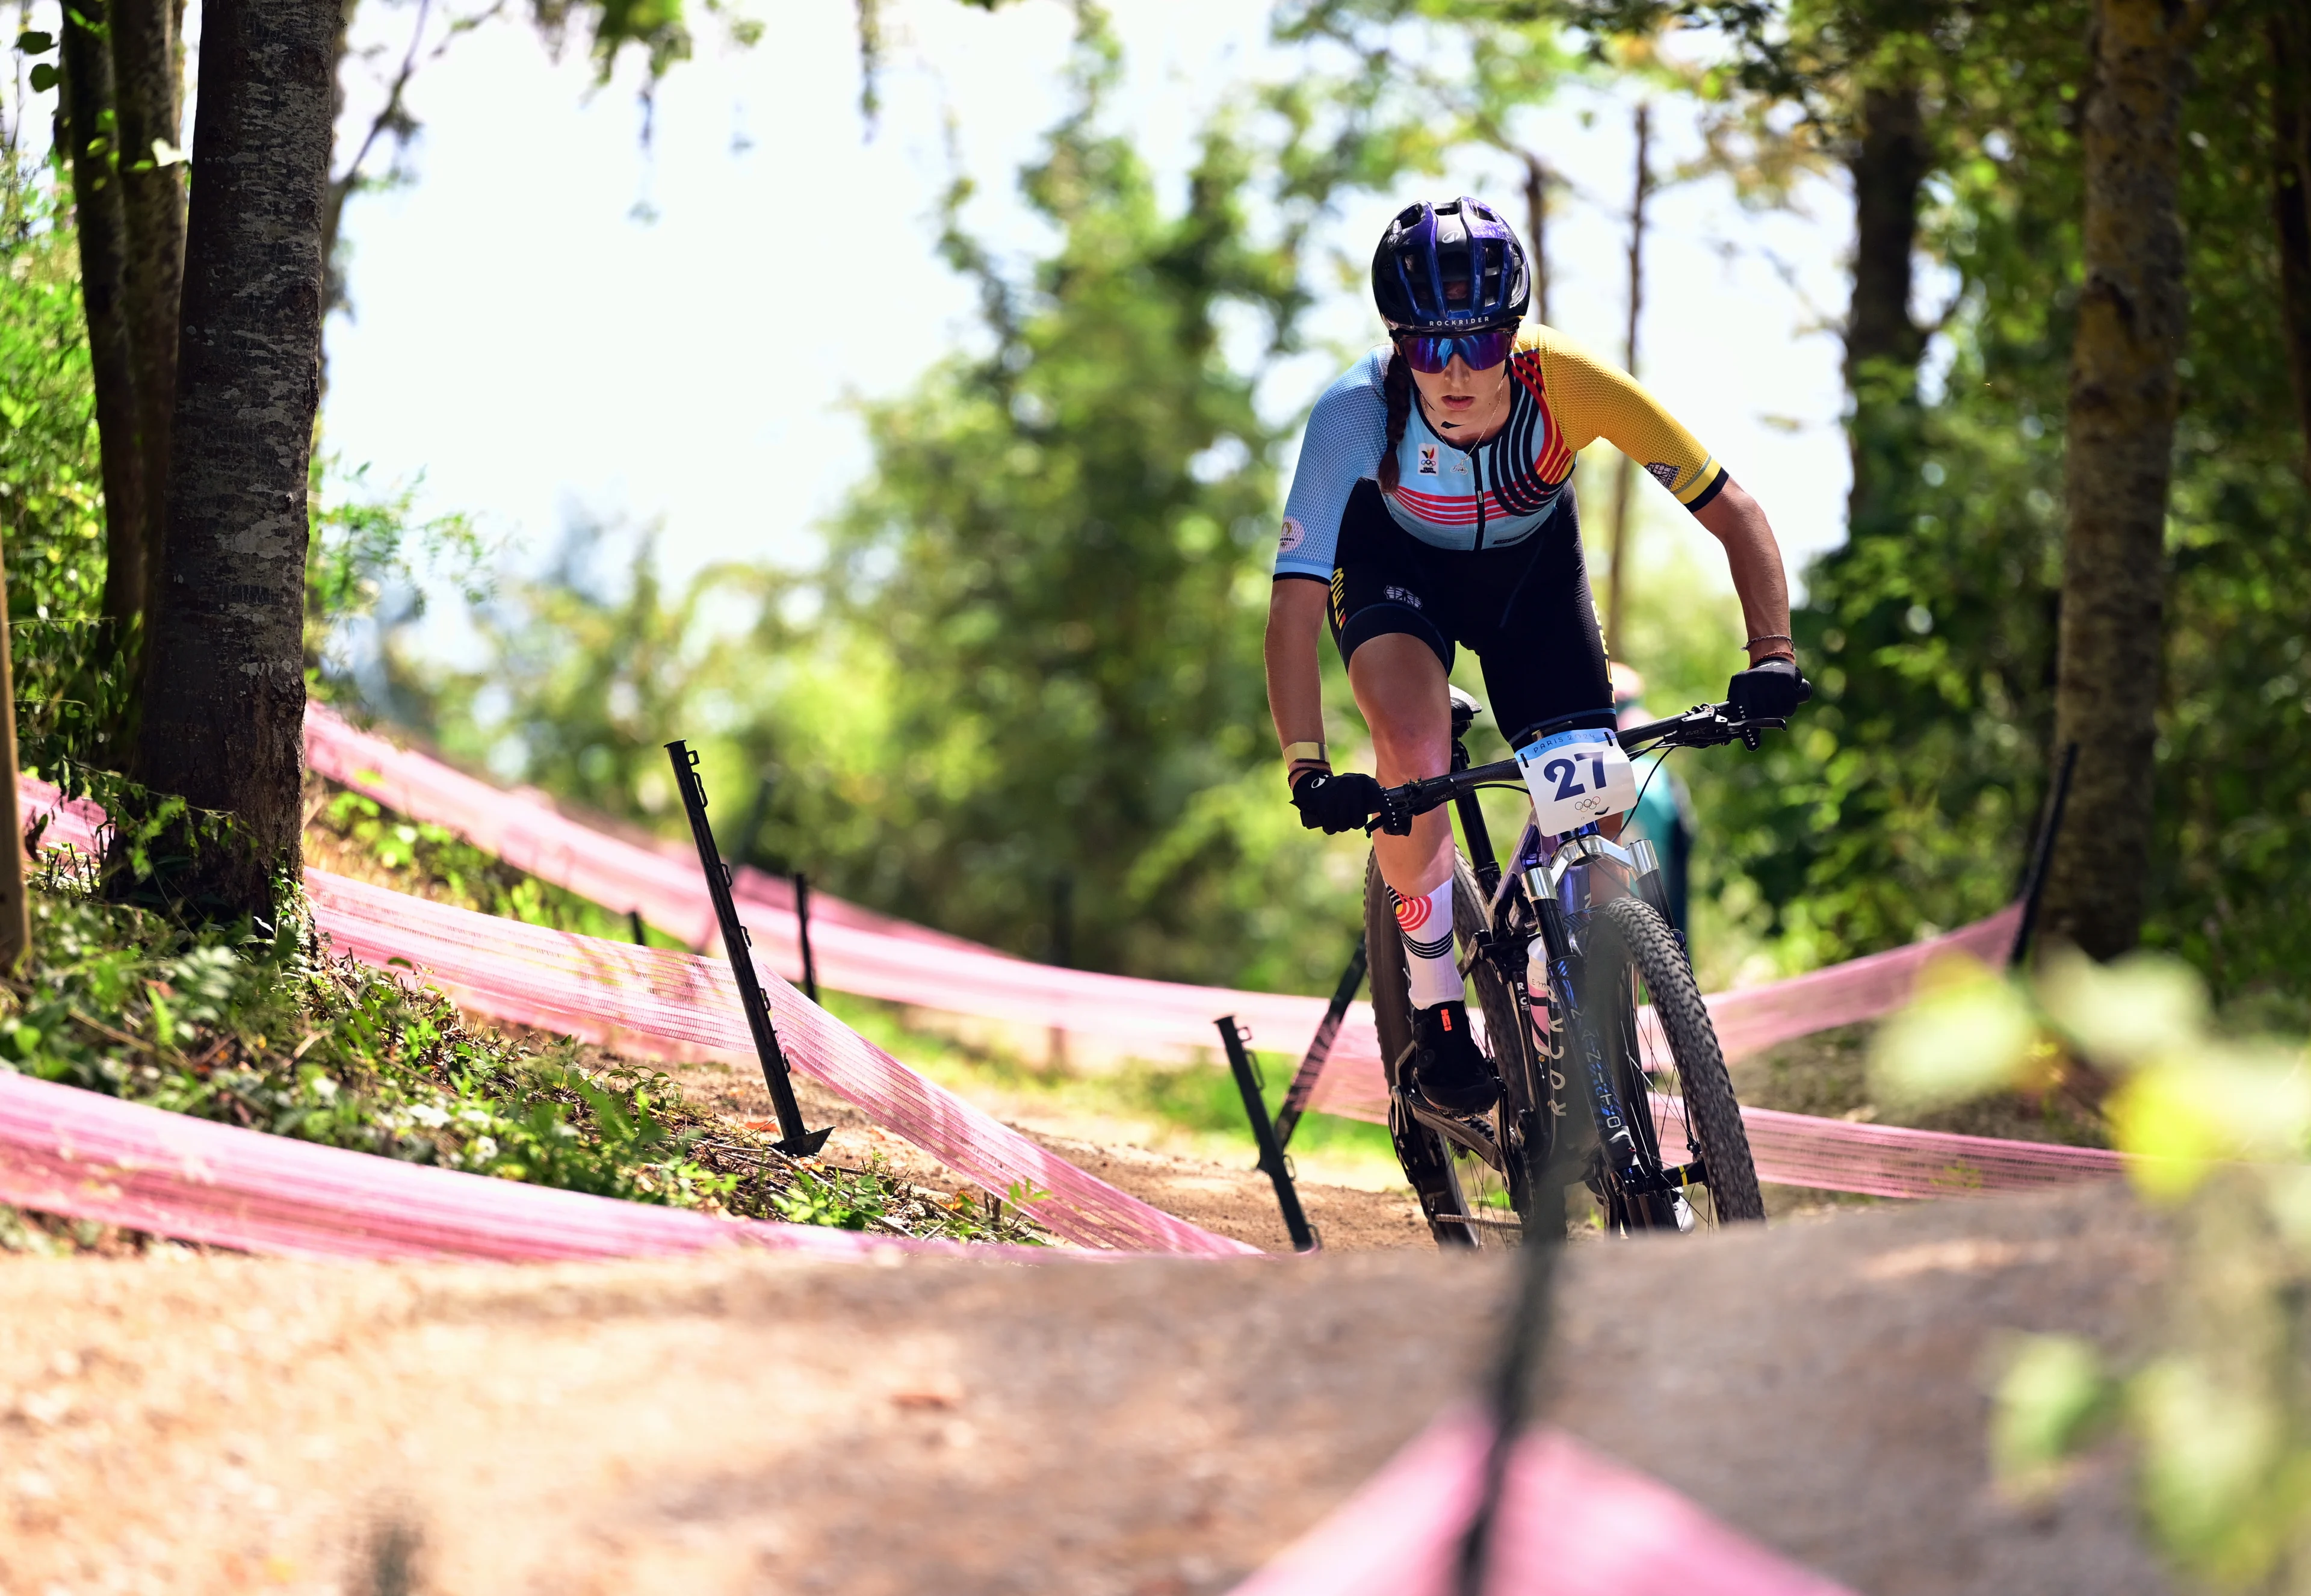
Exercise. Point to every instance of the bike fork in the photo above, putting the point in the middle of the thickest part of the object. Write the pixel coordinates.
(1615, 1134)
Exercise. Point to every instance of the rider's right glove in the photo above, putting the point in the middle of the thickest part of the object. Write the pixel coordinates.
(1330, 803)
(1769, 689)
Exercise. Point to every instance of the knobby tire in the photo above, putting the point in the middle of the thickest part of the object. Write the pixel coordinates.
(1630, 941)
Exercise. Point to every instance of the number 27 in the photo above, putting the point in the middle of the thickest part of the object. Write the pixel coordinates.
(1566, 773)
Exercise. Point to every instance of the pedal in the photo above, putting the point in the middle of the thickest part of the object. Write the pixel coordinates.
(1471, 1132)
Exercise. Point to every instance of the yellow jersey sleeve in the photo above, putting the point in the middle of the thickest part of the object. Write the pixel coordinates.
(1593, 398)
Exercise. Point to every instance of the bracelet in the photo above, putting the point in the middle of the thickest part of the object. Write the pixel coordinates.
(1294, 753)
(1772, 637)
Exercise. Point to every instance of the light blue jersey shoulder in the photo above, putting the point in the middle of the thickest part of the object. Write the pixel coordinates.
(1347, 432)
(1486, 496)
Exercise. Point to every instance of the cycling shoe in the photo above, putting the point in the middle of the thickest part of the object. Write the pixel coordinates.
(1447, 1068)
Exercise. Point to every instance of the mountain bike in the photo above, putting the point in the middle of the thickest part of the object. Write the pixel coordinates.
(1590, 1010)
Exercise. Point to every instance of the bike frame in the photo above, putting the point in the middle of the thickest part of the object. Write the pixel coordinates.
(1537, 911)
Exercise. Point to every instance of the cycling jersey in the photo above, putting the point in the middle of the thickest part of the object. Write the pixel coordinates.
(1561, 399)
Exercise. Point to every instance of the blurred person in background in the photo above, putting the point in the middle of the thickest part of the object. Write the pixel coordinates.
(1664, 813)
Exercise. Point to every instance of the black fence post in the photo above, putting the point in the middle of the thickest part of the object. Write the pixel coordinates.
(795, 1140)
(2034, 880)
(1320, 1049)
(1271, 1156)
(802, 929)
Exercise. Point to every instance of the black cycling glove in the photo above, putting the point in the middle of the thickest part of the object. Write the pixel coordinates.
(1330, 803)
(1769, 689)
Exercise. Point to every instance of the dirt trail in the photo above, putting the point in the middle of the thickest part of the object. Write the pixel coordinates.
(750, 1423)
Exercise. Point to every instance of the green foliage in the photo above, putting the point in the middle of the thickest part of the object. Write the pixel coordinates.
(268, 1033)
(1906, 797)
(51, 491)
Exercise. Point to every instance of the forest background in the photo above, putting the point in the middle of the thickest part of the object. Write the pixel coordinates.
(1020, 696)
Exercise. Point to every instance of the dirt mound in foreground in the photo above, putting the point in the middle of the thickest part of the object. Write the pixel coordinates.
(740, 1423)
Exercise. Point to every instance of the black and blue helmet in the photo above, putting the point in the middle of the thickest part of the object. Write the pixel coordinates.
(1451, 268)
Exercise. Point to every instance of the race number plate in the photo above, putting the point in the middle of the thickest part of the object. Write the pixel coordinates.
(1577, 777)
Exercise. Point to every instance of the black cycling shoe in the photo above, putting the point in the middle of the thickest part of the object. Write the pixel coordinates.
(1447, 1068)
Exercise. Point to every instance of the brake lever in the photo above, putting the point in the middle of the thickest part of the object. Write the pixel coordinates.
(1396, 812)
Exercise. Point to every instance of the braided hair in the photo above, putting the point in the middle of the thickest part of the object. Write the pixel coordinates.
(1396, 388)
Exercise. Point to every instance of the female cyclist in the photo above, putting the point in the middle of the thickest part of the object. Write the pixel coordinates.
(1430, 510)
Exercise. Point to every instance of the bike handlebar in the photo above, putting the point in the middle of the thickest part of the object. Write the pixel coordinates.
(1704, 725)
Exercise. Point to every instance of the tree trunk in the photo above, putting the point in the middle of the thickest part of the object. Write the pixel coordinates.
(1535, 225)
(1888, 164)
(1617, 590)
(224, 687)
(2119, 443)
(152, 192)
(99, 220)
(2289, 33)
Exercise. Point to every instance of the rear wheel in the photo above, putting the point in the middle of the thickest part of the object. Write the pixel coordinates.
(1448, 1179)
(1669, 1073)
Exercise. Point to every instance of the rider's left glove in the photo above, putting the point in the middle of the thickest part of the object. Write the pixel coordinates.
(1330, 803)
(1769, 689)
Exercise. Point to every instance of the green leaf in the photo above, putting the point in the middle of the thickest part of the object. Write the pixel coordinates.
(36, 43)
(44, 78)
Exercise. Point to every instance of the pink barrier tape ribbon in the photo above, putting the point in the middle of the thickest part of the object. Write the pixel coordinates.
(1748, 1021)
(76, 1153)
(936, 972)
(875, 957)
(675, 1004)
(655, 876)
(1574, 1522)
(1897, 1161)
(867, 954)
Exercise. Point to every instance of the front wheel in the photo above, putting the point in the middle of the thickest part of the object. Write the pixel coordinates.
(1656, 1034)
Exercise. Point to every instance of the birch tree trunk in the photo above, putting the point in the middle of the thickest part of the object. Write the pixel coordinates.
(225, 685)
(103, 228)
(153, 194)
(2119, 443)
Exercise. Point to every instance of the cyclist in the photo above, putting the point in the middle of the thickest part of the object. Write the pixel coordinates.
(1430, 509)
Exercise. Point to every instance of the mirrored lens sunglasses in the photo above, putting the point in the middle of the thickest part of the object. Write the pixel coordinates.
(1483, 351)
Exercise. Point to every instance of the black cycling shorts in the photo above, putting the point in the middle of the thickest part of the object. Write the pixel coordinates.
(1524, 611)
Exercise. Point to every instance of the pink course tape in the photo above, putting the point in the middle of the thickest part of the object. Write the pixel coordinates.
(677, 1004)
(871, 955)
(66, 1151)
(1573, 1523)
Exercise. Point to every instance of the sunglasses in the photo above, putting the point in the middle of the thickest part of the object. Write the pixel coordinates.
(1482, 351)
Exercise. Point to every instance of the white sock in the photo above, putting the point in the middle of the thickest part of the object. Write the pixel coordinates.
(1424, 926)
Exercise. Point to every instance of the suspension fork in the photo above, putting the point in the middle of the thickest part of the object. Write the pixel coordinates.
(1615, 1132)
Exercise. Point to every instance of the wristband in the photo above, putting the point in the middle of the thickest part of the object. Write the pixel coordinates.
(1294, 753)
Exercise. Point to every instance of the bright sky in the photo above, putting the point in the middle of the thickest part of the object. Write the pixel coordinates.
(536, 349)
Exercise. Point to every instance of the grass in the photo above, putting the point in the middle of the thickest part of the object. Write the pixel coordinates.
(1190, 1110)
(268, 1031)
